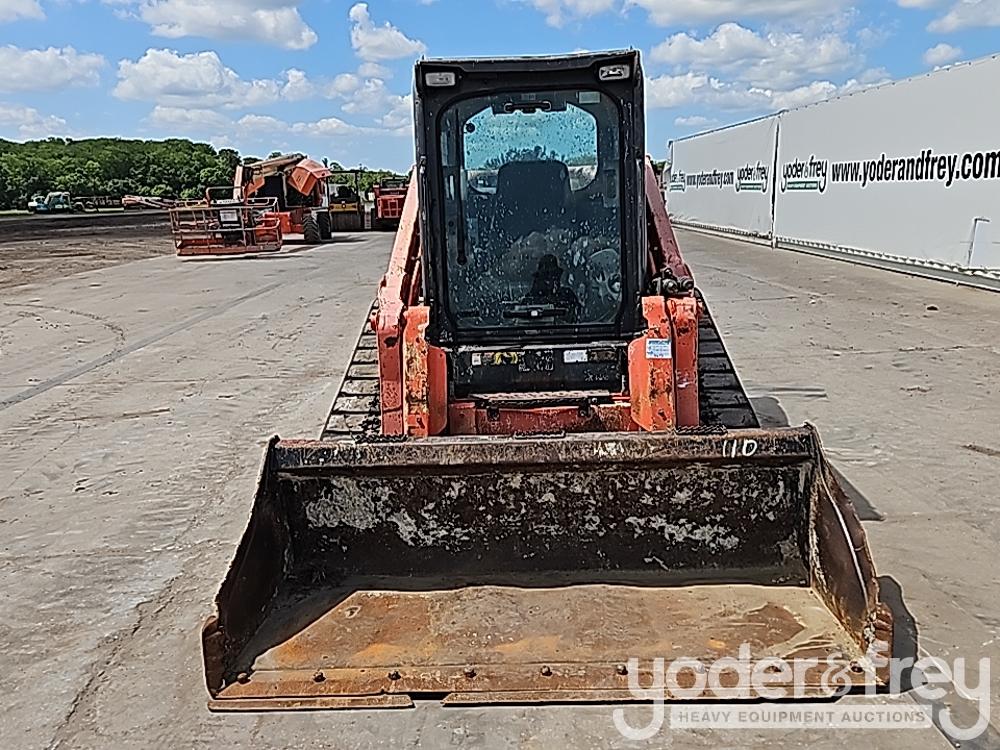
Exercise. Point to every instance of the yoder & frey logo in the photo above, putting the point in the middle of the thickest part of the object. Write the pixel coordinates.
(746, 676)
(809, 175)
(752, 178)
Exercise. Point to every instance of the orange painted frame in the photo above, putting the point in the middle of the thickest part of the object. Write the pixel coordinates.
(399, 290)
(663, 390)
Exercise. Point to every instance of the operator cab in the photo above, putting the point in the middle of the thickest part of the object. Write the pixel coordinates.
(531, 172)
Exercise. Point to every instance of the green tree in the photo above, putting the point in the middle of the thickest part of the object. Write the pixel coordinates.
(367, 178)
(110, 166)
(228, 159)
(214, 176)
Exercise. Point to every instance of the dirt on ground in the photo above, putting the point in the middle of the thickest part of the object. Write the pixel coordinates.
(35, 249)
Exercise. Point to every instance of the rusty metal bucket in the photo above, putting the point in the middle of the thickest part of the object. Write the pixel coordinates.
(532, 570)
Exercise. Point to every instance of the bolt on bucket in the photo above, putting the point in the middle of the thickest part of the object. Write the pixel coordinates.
(483, 570)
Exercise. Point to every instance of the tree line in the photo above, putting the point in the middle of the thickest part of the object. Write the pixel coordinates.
(173, 168)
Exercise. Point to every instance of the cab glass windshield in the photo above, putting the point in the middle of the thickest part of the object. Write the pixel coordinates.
(532, 203)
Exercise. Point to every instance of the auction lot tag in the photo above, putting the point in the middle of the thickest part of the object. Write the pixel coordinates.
(659, 349)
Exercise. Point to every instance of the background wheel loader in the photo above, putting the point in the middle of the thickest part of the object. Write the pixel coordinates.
(541, 462)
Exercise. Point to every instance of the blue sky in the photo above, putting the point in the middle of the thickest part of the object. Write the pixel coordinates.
(332, 78)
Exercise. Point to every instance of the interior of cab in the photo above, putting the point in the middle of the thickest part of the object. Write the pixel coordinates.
(534, 209)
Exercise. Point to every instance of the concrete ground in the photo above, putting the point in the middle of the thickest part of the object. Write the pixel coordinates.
(135, 401)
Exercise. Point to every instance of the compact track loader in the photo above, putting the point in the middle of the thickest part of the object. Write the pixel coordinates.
(541, 463)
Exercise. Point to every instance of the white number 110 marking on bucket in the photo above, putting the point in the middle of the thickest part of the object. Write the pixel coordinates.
(743, 448)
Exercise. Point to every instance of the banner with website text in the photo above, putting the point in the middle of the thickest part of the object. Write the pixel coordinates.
(908, 171)
(723, 179)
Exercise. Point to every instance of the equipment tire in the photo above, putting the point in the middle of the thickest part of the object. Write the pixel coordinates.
(325, 225)
(310, 230)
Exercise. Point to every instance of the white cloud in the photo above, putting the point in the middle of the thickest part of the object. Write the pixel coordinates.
(374, 70)
(47, 69)
(967, 14)
(941, 54)
(200, 80)
(28, 122)
(399, 118)
(13, 10)
(272, 22)
(736, 69)
(261, 124)
(675, 91)
(370, 97)
(193, 91)
(670, 12)
(327, 127)
(695, 121)
(962, 14)
(343, 85)
(297, 85)
(810, 93)
(557, 12)
(775, 59)
(699, 89)
(670, 91)
(201, 83)
(188, 120)
(375, 43)
(259, 130)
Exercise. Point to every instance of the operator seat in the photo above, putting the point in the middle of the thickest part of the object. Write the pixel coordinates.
(532, 196)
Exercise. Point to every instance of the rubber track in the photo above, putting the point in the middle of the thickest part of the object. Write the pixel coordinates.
(721, 395)
(355, 411)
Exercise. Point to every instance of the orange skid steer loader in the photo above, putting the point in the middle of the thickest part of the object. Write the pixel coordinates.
(541, 463)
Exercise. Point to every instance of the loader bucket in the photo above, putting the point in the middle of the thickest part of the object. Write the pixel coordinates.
(533, 570)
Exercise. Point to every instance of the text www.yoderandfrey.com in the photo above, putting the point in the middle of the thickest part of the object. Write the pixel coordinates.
(946, 169)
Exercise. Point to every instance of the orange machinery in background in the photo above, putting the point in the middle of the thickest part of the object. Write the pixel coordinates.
(225, 222)
(390, 194)
(298, 185)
